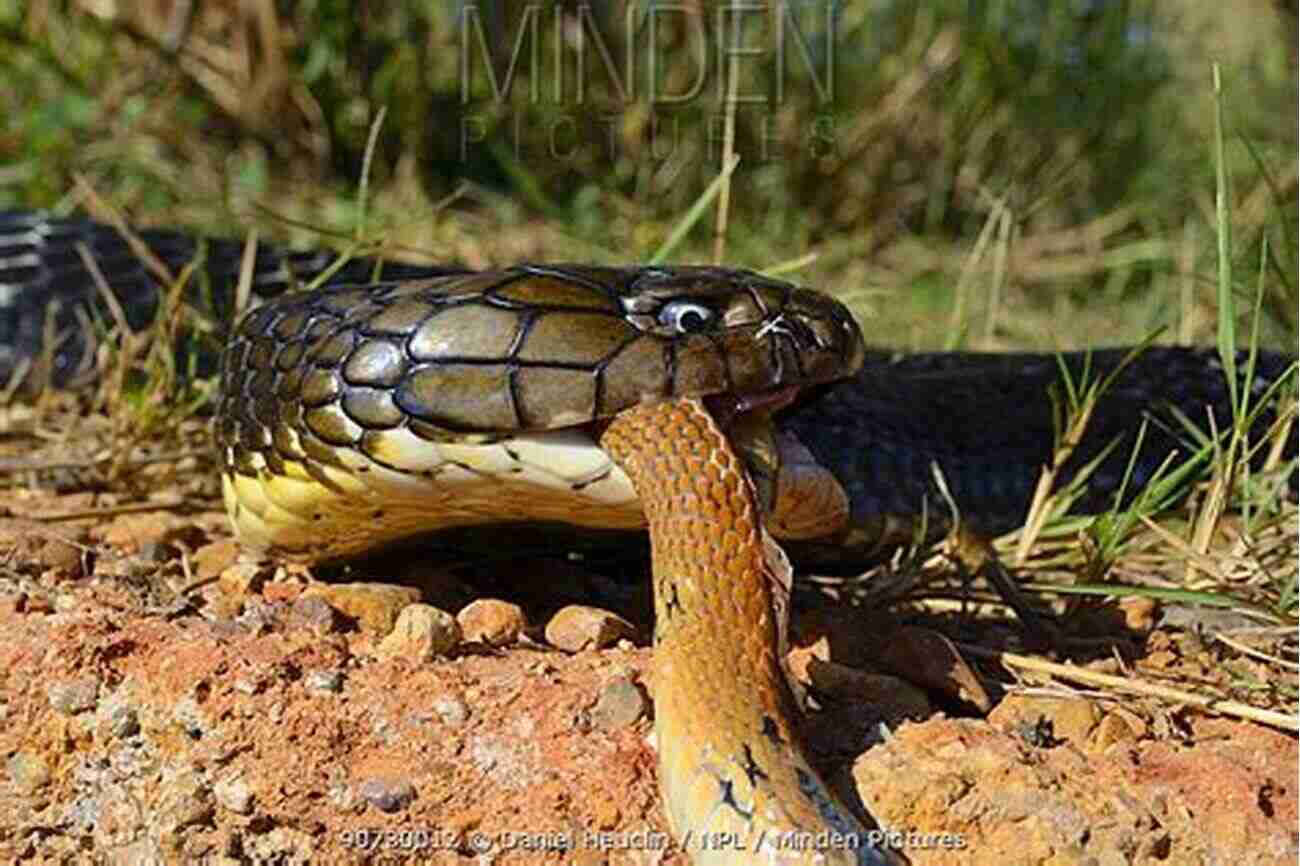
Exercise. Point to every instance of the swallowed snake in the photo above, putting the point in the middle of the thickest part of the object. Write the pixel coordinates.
(713, 405)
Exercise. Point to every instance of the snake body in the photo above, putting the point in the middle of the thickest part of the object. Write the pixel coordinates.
(353, 415)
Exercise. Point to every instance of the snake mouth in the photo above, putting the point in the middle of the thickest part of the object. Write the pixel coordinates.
(728, 409)
(746, 421)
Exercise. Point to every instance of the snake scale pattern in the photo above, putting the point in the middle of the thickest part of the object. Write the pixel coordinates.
(713, 405)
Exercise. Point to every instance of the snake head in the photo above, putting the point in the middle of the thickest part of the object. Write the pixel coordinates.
(528, 348)
(722, 331)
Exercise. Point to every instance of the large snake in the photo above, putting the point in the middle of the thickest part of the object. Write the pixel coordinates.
(354, 415)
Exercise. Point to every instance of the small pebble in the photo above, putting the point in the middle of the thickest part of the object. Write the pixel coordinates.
(492, 622)
(374, 606)
(28, 771)
(422, 633)
(1110, 730)
(74, 696)
(1069, 719)
(260, 616)
(234, 795)
(62, 556)
(313, 613)
(279, 845)
(247, 687)
(183, 801)
(211, 560)
(324, 681)
(621, 703)
(190, 716)
(452, 710)
(387, 795)
(578, 627)
(121, 718)
(241, 580)
(340, 796)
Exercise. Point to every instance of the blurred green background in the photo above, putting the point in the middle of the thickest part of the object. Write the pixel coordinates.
(976, 173)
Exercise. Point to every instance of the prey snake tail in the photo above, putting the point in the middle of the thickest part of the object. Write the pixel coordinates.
(359, 414)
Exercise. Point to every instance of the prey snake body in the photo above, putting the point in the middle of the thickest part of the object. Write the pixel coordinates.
(358, 414)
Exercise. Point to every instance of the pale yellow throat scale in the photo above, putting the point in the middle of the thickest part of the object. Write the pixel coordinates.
(318, 512)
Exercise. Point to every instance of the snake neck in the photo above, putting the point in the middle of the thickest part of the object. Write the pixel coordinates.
(736, 785)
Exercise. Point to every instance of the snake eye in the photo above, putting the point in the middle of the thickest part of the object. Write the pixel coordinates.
(685, 317)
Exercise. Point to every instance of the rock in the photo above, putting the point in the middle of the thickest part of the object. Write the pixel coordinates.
(140, 851)
(235, 795)
(281, 845)
(245, 686)
(28, 771)
(578, 627)
(1068, 719)
(182, 801)
(46, 547)
(621, 703)
(422, 633)
(491, 622)
(313, 613)
(211, 560)
(606, 813)
(187, 713)
(119, 718)
(324, 681)
(1110, 730)
(61, 555)
(374, 606)
(282, 591)
(452, 710)
(387, 795)
(131, 532)
(237, 584)
(13, 603)
(74, 696)
(37, 602)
